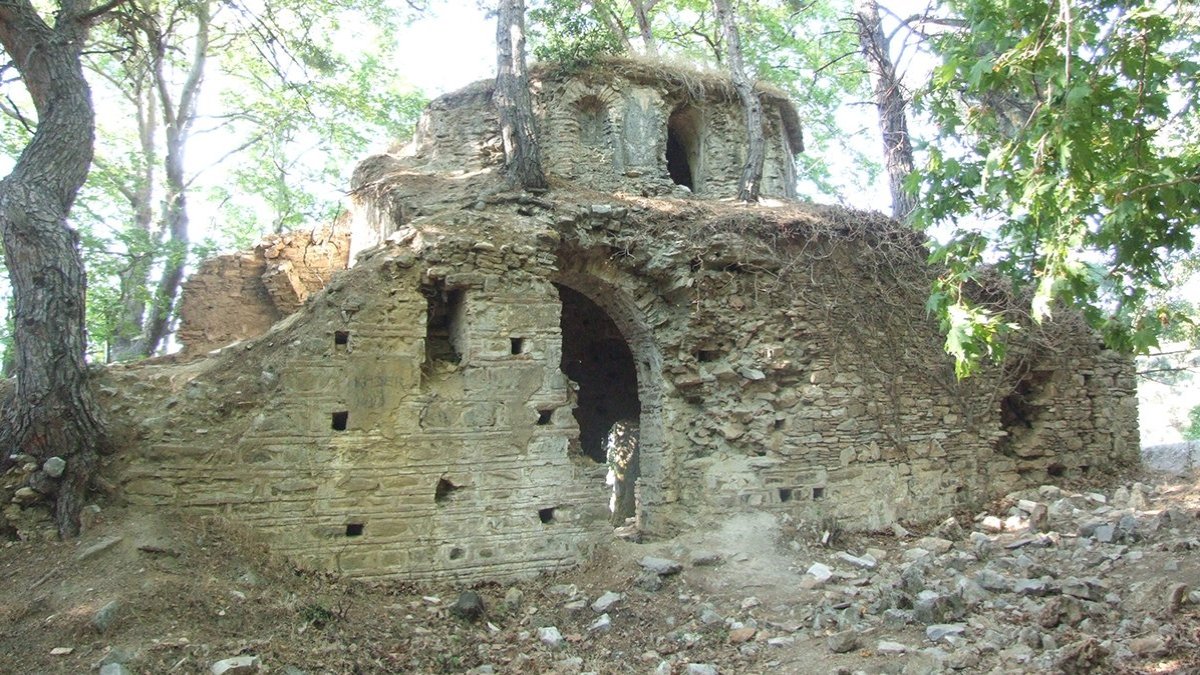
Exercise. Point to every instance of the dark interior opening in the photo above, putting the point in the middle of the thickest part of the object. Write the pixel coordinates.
(517, 345)
(597, 358)
(341, 338)
(354, 529)
(443, 490)
(683, 147)
(1020, 409)
(818, 493)
(1056, 470)
(544, 417)
(546, 515)
(457, 553)
(443, 323)
(339, 420)
(785, 494)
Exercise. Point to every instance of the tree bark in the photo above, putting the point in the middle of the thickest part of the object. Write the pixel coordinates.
(522, 159)
(53, 412)
(891, 104)
(750, 182)
(641, 11)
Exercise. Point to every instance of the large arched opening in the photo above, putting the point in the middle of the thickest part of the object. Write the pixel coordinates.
(607, 352)
(597, 359)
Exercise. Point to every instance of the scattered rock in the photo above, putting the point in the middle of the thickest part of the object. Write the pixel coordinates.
(661, 566)
(25, 495)
(705, 559)
(820, 571)
(938, 631)
(114, 669)
(61, 651)
(887, 647)
(601, 625)
(236, 665)
(865, 562)
(740, 635)
(701, 669)
(98, 548)
(513, 598)
(1151, 645)
(842, 641)
(935, 545)
(549, 636)
(104, 617)
(54, 467)
(1177, 594)
(1082, 658)
(605, 602)
(468, 606)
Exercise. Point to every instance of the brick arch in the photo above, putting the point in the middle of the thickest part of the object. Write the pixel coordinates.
(631, 322)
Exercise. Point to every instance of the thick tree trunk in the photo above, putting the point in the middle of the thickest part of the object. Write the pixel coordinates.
(513, 102)
(889, 99)
(53, 412)
(751, 181)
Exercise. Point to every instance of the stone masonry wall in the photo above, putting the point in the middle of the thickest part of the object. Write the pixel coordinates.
(359, 447)
(413, 421)
(237, 296)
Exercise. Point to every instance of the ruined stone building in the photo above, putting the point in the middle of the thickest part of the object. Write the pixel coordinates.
(441, 408)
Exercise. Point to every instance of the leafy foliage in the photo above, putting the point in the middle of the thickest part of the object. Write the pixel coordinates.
(1067, 132)
(292, 93)
(563, 34)
(1192, 431)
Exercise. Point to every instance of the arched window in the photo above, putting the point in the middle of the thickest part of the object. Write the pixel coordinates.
(683, 147)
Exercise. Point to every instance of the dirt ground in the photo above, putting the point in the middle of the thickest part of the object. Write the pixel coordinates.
(159, 593)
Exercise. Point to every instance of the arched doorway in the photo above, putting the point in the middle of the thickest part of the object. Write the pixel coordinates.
(683, 148)
(596, 356)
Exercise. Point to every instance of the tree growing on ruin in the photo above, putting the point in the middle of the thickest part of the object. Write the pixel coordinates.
(514, 103)
(750, 182)
(52, 413)
(891, 105)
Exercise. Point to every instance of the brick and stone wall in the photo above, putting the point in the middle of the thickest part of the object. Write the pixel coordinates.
(236, 296)
(415, 417)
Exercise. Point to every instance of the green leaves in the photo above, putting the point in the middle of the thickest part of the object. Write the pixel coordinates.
(1076, 145)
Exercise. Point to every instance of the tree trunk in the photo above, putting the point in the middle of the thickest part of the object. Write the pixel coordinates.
(127, 341)
(751, 181)
(641, 11)
(178, 117)
(889, 99)
(523, 161)
(53, 412)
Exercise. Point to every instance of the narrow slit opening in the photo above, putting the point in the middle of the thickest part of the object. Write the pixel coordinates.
(516, 345)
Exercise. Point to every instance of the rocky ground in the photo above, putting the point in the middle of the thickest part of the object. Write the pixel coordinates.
(1092, 579)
